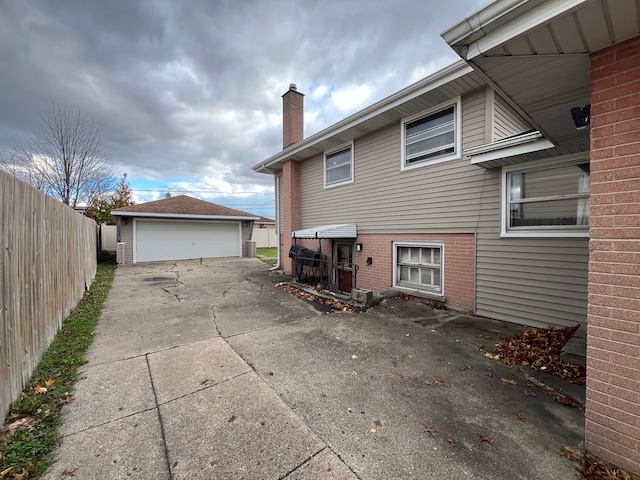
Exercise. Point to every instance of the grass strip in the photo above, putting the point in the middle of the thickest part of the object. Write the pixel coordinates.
(30, 432)
(268, 255)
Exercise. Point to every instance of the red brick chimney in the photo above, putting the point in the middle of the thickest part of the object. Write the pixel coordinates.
(292, 116)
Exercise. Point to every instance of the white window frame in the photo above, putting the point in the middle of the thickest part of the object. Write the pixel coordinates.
(422, 291)
(346, 146)
(542, 231)
(457, 123)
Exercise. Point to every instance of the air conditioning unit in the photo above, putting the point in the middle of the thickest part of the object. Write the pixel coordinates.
(120, 250)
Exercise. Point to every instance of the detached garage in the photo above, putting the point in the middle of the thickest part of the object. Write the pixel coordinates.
(183, 227)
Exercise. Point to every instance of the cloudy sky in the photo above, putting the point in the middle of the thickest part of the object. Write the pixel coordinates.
(189, 91)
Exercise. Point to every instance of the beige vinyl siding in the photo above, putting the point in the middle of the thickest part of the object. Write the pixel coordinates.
(126, 236)
(383, 199)
(531, 281)
(506, 122)
(538, 282)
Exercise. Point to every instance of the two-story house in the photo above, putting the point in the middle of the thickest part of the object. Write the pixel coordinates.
(507, 184)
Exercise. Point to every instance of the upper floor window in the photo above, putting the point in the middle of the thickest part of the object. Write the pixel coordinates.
(431, 138)
(548, 199)
(338, 166)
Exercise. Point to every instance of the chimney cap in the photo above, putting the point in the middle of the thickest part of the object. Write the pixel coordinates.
(292, 86)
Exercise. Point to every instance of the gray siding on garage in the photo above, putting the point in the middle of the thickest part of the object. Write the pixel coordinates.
(383, 199)
(126, 236)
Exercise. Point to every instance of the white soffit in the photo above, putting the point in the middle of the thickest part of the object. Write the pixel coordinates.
(344, 230)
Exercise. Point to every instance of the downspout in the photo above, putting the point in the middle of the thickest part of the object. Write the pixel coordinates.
(276, 181)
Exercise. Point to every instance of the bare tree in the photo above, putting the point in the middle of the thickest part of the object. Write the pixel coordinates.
(64, 157)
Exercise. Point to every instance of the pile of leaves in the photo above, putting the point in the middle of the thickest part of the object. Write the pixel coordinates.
(540, 349)
(336, 305)
(591, 468)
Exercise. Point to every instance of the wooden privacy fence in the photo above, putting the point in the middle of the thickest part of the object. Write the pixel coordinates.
(48, 259)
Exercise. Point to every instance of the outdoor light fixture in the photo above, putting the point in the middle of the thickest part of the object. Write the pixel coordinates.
(581, 116)
(358, 247)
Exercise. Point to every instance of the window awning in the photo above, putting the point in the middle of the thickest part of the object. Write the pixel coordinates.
(343, 230)
(494, 154)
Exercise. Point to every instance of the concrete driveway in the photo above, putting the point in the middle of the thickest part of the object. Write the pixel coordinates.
(204, 370)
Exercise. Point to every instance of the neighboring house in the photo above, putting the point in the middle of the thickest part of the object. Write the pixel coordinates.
(182, 227)
(265, 222)
(483, 186)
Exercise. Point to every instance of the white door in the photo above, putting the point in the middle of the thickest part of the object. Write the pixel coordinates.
(178, 240)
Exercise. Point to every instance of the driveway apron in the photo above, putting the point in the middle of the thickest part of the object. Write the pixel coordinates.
(205, 370)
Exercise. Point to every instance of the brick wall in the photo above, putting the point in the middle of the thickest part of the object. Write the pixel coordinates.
(459, 264)
(613, 350)
(290, 210)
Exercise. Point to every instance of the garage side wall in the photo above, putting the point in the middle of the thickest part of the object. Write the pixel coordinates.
(247, 231)
(126, 236)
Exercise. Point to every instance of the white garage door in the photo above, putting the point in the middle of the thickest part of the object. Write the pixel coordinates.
(172, 240)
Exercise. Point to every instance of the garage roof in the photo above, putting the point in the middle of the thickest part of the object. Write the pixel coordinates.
(183, 206)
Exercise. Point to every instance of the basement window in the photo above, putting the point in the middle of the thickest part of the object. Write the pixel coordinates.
(418, 266)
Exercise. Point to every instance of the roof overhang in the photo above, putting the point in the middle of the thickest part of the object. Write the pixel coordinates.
(450, 82)
(180, 216)
(344, 230)
(536, 55)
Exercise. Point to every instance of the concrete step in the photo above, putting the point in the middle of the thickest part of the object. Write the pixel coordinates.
(575, 351)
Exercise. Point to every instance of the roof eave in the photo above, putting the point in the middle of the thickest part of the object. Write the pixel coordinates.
(492, 27)
(182, 216)
(441, 77)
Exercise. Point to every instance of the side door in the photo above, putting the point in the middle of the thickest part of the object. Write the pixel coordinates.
(343, 257)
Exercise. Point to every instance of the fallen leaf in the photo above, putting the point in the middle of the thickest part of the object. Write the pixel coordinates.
(440, 381)
(451, 441)
(563, 399)
(21, 476)
(521, 417)
(5, 472)
(68, 398)
(509, 381)
(529, 393)
(466, 367)
(39, 389)
(485, 438)
(50, 382)
(431, 430)
(570, 453)
(353, 357)
(206, 381)
(374, 430)
(68, 473)
(401, 375)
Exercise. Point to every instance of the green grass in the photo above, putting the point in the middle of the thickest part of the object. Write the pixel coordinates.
(30, 432)
(268, 255)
